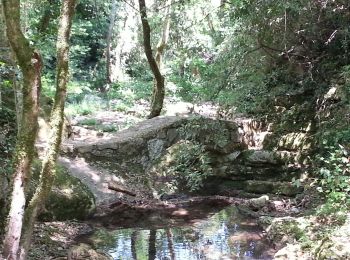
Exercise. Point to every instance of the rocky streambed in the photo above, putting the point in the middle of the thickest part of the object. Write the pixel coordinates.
(253, 183)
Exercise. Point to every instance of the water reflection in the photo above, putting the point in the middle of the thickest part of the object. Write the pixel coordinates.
(223, 236)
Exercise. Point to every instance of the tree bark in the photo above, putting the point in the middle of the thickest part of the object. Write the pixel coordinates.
(165, 35)
(30, 64)
(47, 174)
(109, 40)
(158, 88)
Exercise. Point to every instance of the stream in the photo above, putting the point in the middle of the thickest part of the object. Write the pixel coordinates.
(221, 235)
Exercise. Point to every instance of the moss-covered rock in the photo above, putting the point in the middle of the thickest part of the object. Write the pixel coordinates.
(68, 199)
(262, 187)
(337, 245)
(84, 251)
(286, 230)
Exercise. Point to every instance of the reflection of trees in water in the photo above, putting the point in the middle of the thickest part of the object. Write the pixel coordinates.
(133, 239)
(170, 237)
(152, 250)
(220, 236)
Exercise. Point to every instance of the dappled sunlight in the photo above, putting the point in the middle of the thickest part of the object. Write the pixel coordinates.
(96, 180)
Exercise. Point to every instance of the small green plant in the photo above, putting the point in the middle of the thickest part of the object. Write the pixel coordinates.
(88, 121)
(334, 179)
(107, 128)
(86, 105)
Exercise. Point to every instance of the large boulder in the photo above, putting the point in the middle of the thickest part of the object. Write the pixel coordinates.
(85, 251)
(286, 230)
(68, 199)
(139, 146)
(337, 244)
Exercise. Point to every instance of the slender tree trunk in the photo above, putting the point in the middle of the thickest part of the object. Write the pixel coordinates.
(152, 250)
(109, 40)
(165, 34)
(30, 65)
(47, 174)
(158, 88)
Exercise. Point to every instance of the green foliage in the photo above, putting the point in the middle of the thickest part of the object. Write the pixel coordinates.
(131, 91)
(7, 140)
(88, 122)
(85, 104)
(107, 128)
(334, 179)
(190, 164)
(190, 161)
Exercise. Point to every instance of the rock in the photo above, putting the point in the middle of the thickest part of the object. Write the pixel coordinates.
(155, 148)
(144, 142)
(85, 251)
(258, 203)
(232, 156)
(286, 230)
(246, 211)
(291, 251)
(68, 199)
(284, 188)
(261, 157)
(276, 205)
(265, 221)
(296, 141)
(336, 245)
(260, 187)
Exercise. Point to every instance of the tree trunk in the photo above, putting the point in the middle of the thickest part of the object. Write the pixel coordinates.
(165, 34)
(158, 88)
(109, 39)
(56, 120)
(30, 65)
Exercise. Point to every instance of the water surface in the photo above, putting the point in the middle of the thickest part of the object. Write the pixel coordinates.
(224, 235)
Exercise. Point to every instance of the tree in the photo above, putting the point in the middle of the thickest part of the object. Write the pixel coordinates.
(165, 34)
(18, 235)
(57, 121)
(109, 40)
(158, 88)
(30, 63)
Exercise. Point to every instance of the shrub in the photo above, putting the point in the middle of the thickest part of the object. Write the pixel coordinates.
(334, 179)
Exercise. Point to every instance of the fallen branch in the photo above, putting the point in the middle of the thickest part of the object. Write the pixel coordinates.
(118, 188)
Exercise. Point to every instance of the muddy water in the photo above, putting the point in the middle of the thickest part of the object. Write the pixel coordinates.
(223, 235)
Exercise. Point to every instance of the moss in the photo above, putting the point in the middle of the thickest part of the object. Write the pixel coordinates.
(68, 199)
(286, 230)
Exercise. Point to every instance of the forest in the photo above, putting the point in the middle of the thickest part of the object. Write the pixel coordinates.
(174, 129)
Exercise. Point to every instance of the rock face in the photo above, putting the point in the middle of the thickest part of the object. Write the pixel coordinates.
(145, 142)
(337, 245)
(148, 144)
